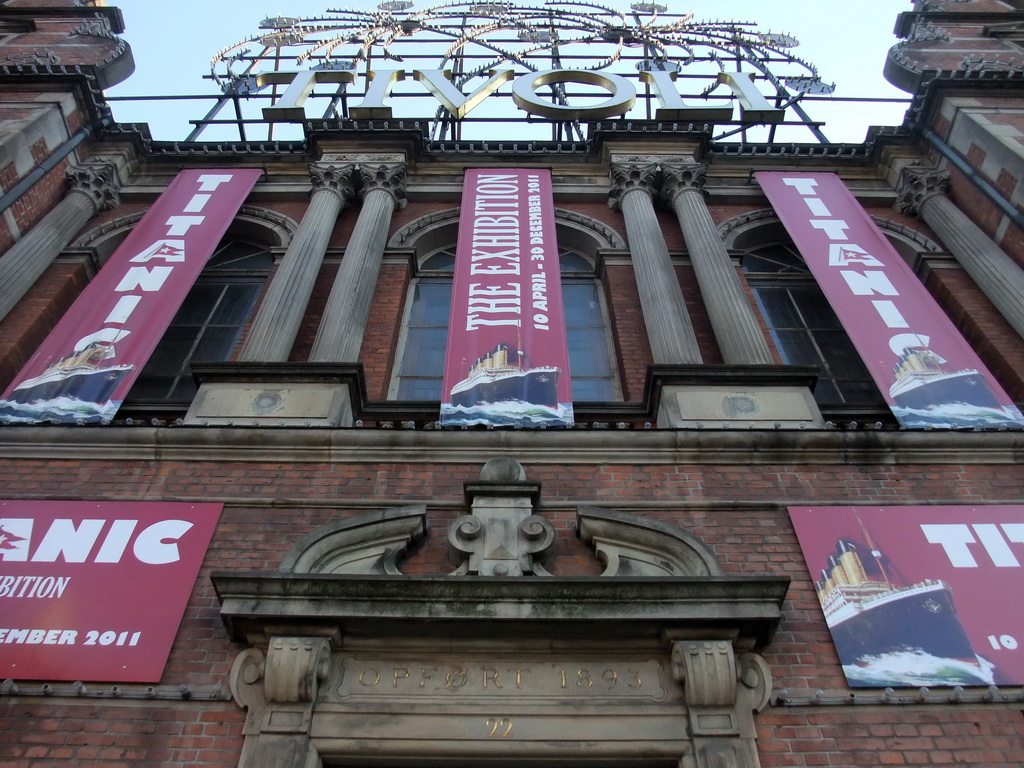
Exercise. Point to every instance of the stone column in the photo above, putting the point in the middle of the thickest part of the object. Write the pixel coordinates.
(922, 193)
(736, 328)
(669, 329)
(280, 314)
(93, 188)
(348, 307)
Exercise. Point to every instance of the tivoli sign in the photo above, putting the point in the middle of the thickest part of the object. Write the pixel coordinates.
(754, 107)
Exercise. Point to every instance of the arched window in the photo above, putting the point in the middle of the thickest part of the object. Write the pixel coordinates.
(803, 325)
(209, 323)
(421, 356)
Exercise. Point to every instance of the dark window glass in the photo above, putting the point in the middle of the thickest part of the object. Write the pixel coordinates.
(804, 327)
(208, 324)
(422, 365)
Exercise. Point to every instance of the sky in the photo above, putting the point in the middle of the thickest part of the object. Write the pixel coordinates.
(172, 43)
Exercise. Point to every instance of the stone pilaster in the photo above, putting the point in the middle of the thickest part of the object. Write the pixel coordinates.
(281, 710)
(722, 691)
(277, 321)
(669, 328)
(348, 307)
(736, 328)
(92, 188)
(922, 192)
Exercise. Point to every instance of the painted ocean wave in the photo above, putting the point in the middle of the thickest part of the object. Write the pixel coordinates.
(511, 413)
(62, 410)
(917, 668)
(960, 416)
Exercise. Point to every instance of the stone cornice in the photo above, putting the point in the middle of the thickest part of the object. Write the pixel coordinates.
(711, 446)
(642, 608)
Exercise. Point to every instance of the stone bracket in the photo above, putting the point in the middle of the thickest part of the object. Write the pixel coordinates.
(295, 666)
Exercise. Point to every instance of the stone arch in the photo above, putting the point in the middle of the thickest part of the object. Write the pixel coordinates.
(582, 233)
(372, 543)
(253, 224)
(754, 227)
(630, 545)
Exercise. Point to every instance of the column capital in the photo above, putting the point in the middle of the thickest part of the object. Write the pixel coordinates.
(333, 178)
(682, 177)
(916, 185)
(627, 177)
(389, 177)
(97, 181)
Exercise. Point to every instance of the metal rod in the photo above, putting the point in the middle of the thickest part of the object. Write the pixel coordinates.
(983, 184)
(11, 197)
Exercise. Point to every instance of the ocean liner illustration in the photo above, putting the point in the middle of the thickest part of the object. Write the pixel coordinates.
(922, 382)
(80, 375)
(870, 618)
(495, 378)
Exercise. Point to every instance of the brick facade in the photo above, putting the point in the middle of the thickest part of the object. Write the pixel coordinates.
(725, 484)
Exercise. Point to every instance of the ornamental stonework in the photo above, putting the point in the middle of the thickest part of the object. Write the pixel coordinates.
(916, 186)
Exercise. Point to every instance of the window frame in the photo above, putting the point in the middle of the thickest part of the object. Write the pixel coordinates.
(213, 274)
(590, 276)
(796, 275)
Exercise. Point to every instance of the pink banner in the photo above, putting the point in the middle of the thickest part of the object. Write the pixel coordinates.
(507, 362)
(90, 360)
(920, 595)
(924, 368)
(95, 590)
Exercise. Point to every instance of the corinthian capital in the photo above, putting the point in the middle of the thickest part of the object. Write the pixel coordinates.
(916, 185)
(97, 181)
(629, 176)
(389, 177)
(334, 178)
(682, 177)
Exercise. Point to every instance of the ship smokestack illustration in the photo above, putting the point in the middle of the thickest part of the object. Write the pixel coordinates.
(872, 618)
(496, 378)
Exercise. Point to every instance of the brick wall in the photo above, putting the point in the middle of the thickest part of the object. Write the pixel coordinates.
(738, 511)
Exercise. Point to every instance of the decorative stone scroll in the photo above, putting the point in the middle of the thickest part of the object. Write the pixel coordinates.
(502, 536)
(375, 542)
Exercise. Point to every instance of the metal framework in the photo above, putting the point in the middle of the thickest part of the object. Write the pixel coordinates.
(469, 39)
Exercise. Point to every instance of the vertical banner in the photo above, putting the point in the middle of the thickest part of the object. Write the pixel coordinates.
(85, 367)
(924, 368)
(95, 590)
(920, 595)
(507, 362)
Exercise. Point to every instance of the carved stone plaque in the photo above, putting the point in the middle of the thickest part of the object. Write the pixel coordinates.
(465, 679)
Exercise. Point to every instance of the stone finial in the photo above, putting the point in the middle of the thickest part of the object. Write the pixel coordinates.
(502, 536)
(334, 178)
(503, 470)
(916, 185)
(97, 181)
(629, 176)
(389, 177)
(679, 177)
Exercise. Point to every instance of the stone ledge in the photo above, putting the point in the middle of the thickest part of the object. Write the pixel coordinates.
(737, 447)
(641, 608)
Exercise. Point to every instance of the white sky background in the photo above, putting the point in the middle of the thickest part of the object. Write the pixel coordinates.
(172, 43)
